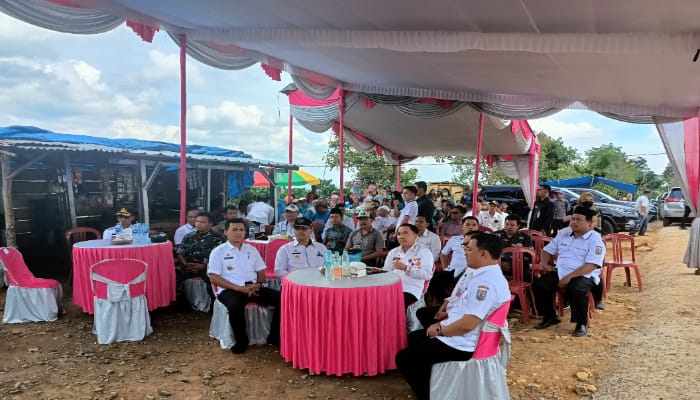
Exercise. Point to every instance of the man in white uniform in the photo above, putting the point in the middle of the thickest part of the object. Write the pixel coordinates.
(427, 239)
(413, 263)
(260, 212)
(581, 253)
(302, 252)
(286, 227)
(384, 222)
(410, 208)
(492, 218)
(190, 217)
(238, 271)
(481, 290)
(124, 220)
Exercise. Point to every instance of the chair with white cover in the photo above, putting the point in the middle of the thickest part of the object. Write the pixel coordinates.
(258, 319)
(29, 299)
(197, 295)
(119, 292)
(483, 377)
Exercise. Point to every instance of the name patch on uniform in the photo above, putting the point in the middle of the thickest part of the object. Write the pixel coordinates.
(228, 258)
(481, 292)
(598, 250)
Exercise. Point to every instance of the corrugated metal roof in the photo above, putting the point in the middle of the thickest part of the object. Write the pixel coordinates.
(26, 141)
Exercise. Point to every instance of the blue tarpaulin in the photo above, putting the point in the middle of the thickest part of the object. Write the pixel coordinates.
(590, 181)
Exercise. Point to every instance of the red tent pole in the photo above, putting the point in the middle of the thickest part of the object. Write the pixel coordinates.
(183, 128)
(398, 176)
(341, 136)
(289, 172)
(475, 192)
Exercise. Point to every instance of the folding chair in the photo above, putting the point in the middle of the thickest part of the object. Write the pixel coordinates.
(121, 309)
(29, 299)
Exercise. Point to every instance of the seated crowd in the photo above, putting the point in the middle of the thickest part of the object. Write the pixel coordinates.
(458, 269)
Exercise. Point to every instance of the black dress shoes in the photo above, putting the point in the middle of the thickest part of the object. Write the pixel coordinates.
(581, 330)
(547, 323)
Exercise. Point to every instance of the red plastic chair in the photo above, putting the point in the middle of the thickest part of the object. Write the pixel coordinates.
(517, 284)
(75, 235)
(81, 234)
(532, 233)
(485, 229)
(540, 242)
(617, 240)
(318, 226)
(560, 305)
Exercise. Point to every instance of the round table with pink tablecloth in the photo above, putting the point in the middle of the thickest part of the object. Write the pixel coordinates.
(350, 326)
(160, 278)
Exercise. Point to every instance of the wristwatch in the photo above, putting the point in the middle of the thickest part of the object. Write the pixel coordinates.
(439, 330)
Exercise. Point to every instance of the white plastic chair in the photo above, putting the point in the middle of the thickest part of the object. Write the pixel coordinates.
(197, 295)
(258, 320)
(29, 299)
(121, 308)
(483, 377)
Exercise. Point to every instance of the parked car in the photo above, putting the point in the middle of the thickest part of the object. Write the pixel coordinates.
(615, 218)
(673, 206)
(600, 197)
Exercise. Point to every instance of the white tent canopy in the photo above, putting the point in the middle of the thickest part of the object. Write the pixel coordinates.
(612, 56)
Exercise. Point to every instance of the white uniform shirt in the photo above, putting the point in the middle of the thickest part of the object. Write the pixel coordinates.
(479, 292)
(234, 265)
(181, 232)
(261, 213)
(284, 228)
(430, 241)
(642, 201)
(458, 262)
(419, 261)
(382, 224)
(107, 234)
(410, 208)
(495, 222)
(294, 255)
(574, 252)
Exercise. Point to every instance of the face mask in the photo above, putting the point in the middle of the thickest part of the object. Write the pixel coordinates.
(587, 204)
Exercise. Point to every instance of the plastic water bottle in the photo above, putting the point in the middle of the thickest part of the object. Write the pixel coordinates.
(328, 266)
(251, 231)
(337, 267)
(345, 262)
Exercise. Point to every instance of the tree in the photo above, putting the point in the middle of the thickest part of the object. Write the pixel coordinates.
(367, 167)
(610, 162)
(669, 178)
(557, 161)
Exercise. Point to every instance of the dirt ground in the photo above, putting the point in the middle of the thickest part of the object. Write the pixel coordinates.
(643, 346)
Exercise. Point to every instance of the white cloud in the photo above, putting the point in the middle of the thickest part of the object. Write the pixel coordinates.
(567, 131)
(165, 67)
(228, 112)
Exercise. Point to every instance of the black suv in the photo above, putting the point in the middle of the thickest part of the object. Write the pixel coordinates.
(614, 218)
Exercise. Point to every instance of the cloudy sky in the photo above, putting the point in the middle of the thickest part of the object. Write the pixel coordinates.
(115, 85)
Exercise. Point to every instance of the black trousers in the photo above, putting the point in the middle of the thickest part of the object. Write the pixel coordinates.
(441, 285)
(577, 290)
(426, 315)
(686, 214)
(235, 302)
(408, 299)
(416, 361)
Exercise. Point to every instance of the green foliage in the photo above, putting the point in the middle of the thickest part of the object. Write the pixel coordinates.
(366, 167)
(557, 161)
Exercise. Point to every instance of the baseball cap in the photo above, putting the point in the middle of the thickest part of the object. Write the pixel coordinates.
(291, 207)
(364, 214)
(124, 212)
(493, 203)
(302, 222)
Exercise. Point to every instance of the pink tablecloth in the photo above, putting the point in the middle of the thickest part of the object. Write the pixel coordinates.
(268, 251)
(160, 278)
(351, 326)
